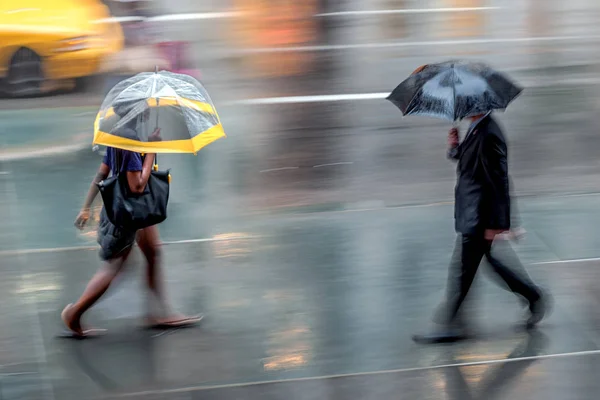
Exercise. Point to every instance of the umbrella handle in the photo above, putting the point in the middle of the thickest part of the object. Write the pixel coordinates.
(155, 166)
(157, 109)
(157, 99)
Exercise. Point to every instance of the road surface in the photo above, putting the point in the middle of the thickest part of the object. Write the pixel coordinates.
(316, 237)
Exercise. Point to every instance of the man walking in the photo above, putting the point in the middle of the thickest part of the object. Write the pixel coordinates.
(482, 212)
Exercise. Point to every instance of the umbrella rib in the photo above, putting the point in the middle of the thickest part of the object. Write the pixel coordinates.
(412, 99)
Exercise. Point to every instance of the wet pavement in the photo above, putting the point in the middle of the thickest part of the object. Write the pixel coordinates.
(304, 297)
(316, 237)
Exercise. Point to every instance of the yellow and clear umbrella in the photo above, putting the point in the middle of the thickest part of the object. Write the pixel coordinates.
(177, 104)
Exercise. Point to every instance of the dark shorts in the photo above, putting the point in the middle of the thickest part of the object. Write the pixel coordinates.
(113, 240)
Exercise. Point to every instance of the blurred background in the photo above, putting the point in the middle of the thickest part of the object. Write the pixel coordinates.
(316, 236)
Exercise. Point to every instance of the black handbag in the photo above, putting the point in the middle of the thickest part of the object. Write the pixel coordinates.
(133, 211)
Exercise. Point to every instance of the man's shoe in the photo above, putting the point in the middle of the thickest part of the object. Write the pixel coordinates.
(538, 310)
(443, 336)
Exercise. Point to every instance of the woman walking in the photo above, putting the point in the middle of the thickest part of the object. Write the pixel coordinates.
(116, 243)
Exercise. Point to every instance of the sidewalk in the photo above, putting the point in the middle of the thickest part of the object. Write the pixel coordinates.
(299, 298)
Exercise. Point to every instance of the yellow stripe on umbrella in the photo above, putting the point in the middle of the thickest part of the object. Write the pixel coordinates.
(192, 145)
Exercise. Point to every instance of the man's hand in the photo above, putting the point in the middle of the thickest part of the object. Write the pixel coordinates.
(515, 234)
(490, 234)
(453, 138)
(155, 136)
(518, 233)
(82, 218)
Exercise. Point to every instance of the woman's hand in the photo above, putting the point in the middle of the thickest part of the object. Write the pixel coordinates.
(82, 218)
(155, 136)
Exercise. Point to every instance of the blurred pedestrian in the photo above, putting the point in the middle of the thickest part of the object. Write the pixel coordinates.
(482, 213)
(116, 243)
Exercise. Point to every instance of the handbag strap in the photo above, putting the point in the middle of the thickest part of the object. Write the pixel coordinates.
(118, 161)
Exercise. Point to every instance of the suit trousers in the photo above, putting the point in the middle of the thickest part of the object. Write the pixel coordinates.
(468, 254)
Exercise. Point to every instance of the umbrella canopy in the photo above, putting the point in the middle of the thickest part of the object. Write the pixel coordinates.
(177, 104)
(454, 90)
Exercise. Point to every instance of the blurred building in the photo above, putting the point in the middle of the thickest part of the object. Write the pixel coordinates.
(271, 24)
(463, 24)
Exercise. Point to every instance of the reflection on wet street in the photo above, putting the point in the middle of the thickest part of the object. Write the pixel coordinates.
(316, 237)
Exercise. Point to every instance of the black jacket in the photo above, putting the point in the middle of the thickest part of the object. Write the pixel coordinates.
(482, 199)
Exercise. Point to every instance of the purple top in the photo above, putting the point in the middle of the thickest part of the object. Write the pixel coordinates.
(130, 161)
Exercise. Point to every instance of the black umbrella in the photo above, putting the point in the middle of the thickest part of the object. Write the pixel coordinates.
(454, 90)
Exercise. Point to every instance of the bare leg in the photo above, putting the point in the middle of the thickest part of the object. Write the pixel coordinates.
(96, 287)
(149, 242)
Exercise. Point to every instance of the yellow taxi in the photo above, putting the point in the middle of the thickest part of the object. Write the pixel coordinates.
(44, 41)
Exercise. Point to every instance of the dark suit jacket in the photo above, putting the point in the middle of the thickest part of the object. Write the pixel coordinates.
(482, 199)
